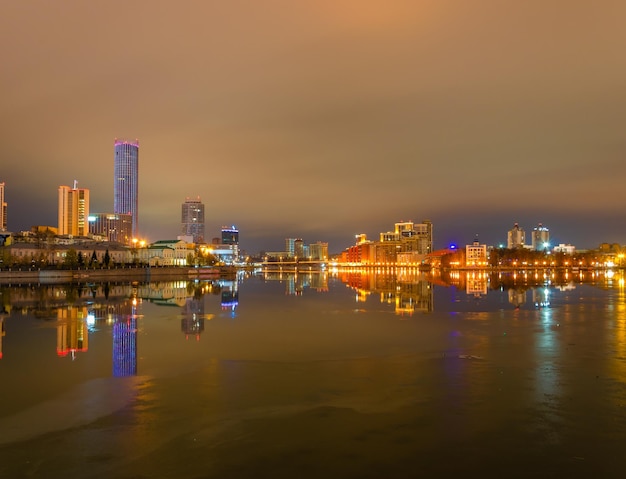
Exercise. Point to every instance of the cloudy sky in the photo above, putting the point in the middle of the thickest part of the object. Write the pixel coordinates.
(322, 119)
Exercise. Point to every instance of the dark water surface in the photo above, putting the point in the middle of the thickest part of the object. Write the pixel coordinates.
(348, 376)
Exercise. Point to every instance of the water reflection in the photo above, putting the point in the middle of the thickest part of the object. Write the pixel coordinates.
(406, 289)
(72, 332)
(297, 281)
(335, 368)
(125, 343)
(77, 309)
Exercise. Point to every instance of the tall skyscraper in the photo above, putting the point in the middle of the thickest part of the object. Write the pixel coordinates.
(192, 219)
(3, 209)
(73, 210)
(126, 180)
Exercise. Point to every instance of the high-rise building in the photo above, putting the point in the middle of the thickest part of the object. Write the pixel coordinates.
(3, 209)
(541, 238)
(230, 235)
(113, 226)
(516, 237)
(127, 180)
(73, 211)
(192, 219)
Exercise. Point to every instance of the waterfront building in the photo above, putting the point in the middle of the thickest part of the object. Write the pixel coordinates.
(407, 237)
(516, 237)
(166, 253)
(540, 238)
(192, 219)
(73, 211)
(318, 251)
(126, 177)
(3, 209)
(476, 254)
(112, 227)
(363, 252)
(408, 243)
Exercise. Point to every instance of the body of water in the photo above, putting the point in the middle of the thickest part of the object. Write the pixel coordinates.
(334, 374)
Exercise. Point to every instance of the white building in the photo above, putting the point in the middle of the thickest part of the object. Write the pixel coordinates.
(166, 253)
(565, 248)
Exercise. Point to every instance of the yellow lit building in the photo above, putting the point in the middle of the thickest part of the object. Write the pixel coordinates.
(73, 211)
(476, 254)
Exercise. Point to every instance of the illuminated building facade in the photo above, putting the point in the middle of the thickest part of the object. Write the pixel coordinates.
(73, 211)
(515, 237)
(3, 209)
(126, 173)
(192, 218)
(166, 253)
(112, 226)
(408, 243)
(541, 238)
(476, 254)
(407, 237)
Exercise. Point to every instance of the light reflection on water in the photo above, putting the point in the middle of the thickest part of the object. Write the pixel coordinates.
(350, 374)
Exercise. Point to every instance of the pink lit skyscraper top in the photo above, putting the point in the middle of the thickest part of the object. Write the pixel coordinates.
(126, 180)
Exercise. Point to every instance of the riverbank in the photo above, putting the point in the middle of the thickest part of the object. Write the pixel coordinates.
(51, 276)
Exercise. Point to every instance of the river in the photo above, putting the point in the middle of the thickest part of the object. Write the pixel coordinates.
(321, 374)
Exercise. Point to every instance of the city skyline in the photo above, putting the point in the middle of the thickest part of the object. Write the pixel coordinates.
(323, 120)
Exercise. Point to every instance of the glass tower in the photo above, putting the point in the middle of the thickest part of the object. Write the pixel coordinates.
(126, 180)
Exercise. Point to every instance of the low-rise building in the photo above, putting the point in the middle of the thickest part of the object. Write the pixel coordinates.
(166, 253)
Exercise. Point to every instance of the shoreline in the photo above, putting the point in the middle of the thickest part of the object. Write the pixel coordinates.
(144, 274)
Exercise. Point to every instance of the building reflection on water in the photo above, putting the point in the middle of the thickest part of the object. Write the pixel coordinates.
(72, 334)
(125, 342)
(296, 282)
(79, 309)
(406, 288)
(410, 290)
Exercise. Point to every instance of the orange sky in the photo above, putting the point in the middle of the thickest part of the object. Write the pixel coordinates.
(322, 119)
